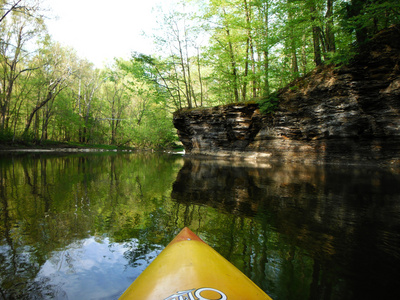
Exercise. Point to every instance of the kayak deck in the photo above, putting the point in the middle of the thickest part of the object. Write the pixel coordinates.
(190, 269)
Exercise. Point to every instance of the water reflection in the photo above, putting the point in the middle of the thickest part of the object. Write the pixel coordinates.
(84, 226)
(89, 263)
(303, 232)
(51, 204)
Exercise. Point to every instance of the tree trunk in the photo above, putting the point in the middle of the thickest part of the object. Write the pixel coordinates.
(293, 48)
(246, 70)
(316, 35)
(266, 50)
(233, 64)
(185, 80)
(355, 10)
(330, 36)
(200, 80)
(34, 111)
(234, 71)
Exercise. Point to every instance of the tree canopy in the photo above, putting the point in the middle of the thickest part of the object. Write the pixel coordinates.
(211, 53)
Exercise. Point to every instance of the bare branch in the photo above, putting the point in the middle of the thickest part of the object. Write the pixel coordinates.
(11, 9)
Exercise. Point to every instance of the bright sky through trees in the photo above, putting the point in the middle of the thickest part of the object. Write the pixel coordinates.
(205, 53)
(102, 29)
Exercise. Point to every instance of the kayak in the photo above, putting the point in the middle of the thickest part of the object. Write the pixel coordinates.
(190, 269)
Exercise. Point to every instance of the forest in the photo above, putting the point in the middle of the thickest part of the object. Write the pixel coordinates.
(213, 52)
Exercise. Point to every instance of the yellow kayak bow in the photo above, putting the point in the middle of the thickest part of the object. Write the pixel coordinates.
(189, 269)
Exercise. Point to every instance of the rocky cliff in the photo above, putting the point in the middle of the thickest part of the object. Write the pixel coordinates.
(350, 114)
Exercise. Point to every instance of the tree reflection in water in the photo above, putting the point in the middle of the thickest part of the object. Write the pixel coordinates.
(85, 226)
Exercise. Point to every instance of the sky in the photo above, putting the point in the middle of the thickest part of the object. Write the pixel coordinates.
(100, 30)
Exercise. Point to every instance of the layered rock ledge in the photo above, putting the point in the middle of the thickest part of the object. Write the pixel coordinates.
(347, 114)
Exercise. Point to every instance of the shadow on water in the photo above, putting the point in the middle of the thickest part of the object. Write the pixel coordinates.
(303, 232)
(85, 226)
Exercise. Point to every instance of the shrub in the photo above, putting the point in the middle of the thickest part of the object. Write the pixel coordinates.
(269, 104)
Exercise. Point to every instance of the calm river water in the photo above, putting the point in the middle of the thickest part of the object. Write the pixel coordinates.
(84, 226)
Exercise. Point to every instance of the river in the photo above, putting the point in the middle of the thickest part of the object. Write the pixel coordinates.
(84, 226)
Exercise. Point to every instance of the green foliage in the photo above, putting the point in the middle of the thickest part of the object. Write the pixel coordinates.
(341, 57)
(366, 18)
(269, 104)
(210, 53)
(6, 136)
(156, 132)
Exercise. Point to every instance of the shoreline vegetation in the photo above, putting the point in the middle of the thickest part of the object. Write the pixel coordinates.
(52, 146)
(61, 147)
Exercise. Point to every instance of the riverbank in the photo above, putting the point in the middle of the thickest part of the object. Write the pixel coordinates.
(50, 146)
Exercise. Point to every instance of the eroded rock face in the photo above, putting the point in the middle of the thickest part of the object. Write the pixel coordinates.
(346, 114)
(222, 128)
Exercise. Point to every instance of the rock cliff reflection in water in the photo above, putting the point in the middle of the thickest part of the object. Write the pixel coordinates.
(84, 227)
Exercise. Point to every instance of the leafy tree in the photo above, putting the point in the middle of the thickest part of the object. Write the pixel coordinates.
(51, 78)
(19, 26)
(148, 87)
(180, 38)
(86, 90)
(366, 17)
(117, 100)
